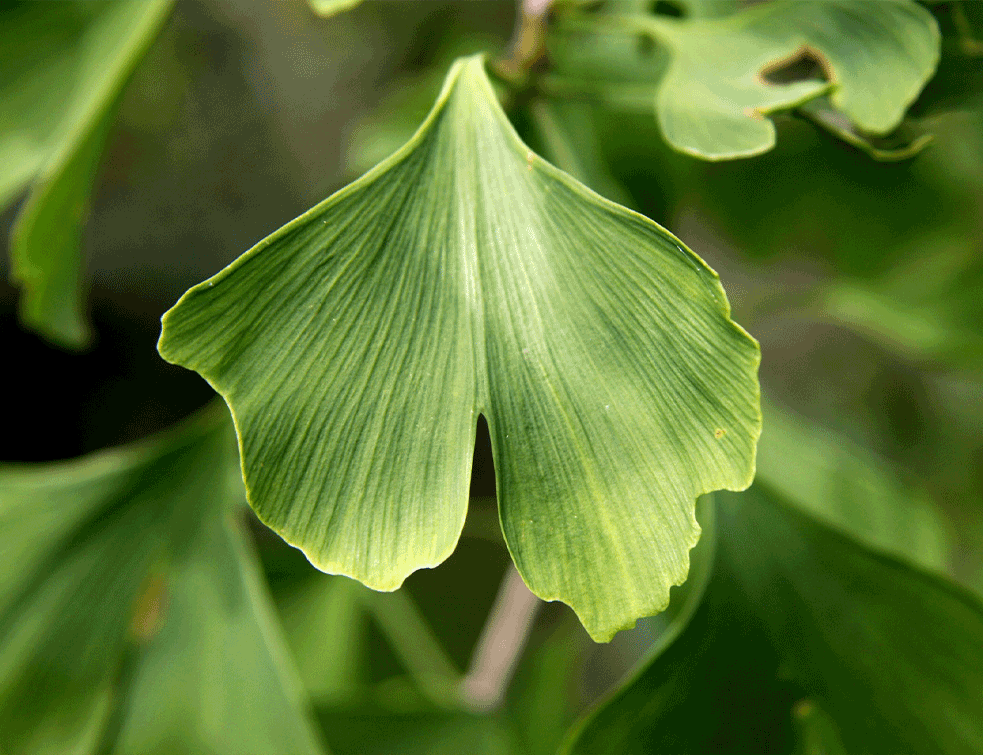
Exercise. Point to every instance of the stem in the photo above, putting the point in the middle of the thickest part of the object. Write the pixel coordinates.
(527, 46)
(501, 643)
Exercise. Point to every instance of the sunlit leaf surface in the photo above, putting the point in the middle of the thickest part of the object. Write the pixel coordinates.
(803, 634)
(710, 77)
(132, 616)
(64, 65)
(464, 275)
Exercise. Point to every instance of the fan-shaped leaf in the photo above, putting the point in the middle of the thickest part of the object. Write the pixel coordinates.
(357, 345)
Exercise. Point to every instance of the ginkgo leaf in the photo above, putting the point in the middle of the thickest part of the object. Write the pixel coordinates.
(64, 66)
(132, 615)
(802, 628)
(710, 82)
(357, 346)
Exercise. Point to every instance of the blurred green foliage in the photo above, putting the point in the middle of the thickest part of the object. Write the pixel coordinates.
(64, 66)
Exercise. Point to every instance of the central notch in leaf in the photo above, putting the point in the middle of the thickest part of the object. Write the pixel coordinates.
(357, 346)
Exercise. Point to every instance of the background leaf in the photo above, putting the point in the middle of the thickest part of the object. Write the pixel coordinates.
(711, 82)
(357, 345)
(795, 612)
(847, 487)
(134, 620)
(64, 66)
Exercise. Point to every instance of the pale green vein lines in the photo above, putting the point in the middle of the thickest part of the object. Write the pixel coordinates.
(466, 276)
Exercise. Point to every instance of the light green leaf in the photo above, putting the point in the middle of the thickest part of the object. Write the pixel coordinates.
(847, 487)
(64, 66)
(793, 613)
(132, 618)
(712, 96)
(325, 8)
(464, 275)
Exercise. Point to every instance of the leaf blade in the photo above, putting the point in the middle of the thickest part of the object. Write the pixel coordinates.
(498, 285)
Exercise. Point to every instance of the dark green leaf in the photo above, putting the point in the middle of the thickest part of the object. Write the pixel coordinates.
(46, 243)
(795, 612)
(464, 276)
(927, 308)
(816, 734)
(365, 731)
(906, 142)
(847, 487)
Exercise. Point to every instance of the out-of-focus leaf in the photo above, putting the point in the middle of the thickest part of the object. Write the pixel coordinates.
(365, 731)
(218, 677)
(713, 94)
(46, 243)
(796, 612)
(464, 275)
(705, 8)
(325, 8)
(902, 144)
(928, 307)
(326, 620)
(958, 83)
(64, 65)
(543, 697)
(566, 130)
(132, 617)
(325, 624)
(816, 733)
(849, 488)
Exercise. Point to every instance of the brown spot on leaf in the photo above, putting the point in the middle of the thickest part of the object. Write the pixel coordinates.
(719, 433)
